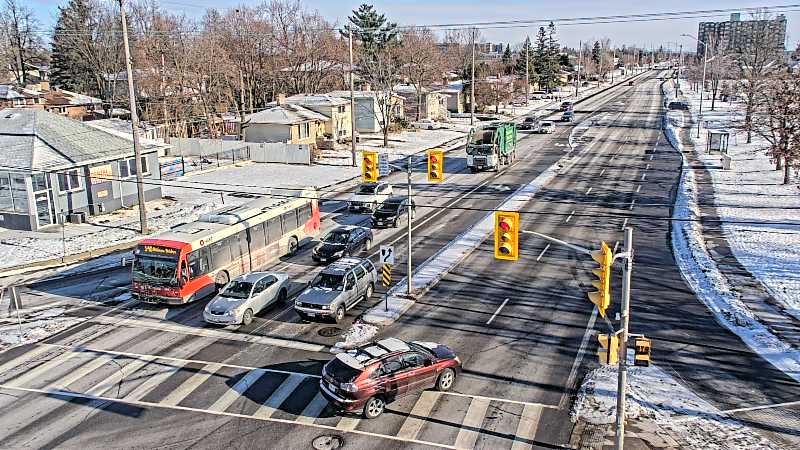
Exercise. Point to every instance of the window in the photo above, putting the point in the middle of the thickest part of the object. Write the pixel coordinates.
(264, 283)
(6, 202)
(220, 253)
(19, 193)
(304, 213)
(289, 220)
(368, 265)
(305, 130)
(39, 181)
(412, 360)
(257, 238)
(274, 229)
(391, 366)
(69, 180)
(359, 271)
(351, 280)
(127, 167)
(198, 263)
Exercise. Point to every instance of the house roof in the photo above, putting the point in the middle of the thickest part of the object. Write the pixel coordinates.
(285, 115)
(9, 93)
(124, 129)
(67, 98)
(40, 140)
(360, 94)
(316, 100)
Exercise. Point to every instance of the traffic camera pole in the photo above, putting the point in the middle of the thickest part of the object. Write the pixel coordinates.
(410, 209)
(622, 367)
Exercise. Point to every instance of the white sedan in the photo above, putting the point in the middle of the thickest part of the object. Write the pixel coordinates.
(245, 296)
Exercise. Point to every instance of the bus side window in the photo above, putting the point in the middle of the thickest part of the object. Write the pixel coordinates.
(289, 221)
(274, 228)
(304, 213)
(198, 263)
(257, 238)
(220, 252)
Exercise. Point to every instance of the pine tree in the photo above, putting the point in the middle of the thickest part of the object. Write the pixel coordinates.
(70, 68)
(519, 67)
(553, 55)
(373, 30)
(596, 51)
(542, 64)
(506, 58)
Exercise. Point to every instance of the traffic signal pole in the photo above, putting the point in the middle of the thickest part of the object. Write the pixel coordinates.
(410, 210)
(622, 368)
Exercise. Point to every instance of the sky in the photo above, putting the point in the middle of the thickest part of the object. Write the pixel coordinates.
(426, 12)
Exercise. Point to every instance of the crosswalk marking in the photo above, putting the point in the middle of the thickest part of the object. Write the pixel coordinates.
(191, 384)
(348, 423)
(313, 409)
(237, 390)
(280, 395)
(470, 427)
(79, 373)
(526, 428)
(38, 371)
(119, 375)
(19, 360)
(152, 382)
(416, 418)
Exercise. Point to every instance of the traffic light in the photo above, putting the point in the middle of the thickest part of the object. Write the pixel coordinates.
(506, 235)
(435, 165)
(369, 166)
(602, 296)
(609, 349)
(642, 355)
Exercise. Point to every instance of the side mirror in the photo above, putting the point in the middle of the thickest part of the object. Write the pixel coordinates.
(428, 362)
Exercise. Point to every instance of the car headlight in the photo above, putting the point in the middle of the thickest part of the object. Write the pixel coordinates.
(339, 253)
(297, 303)
(325, 307)
(348, 387)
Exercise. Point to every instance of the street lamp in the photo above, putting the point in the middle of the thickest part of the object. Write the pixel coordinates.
(703, 83)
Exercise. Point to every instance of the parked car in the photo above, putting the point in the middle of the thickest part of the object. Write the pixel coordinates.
(245, 296)
(336, 289)
(530, 123)
(539, 95)
(567, 105)
(679, 105)
(391, 212)
(428, 124)
(368, 377)
(369, 196)
(567, 116)
(547, 127)
(342, 241)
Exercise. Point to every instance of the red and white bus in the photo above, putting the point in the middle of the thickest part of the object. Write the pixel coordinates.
(192, 260)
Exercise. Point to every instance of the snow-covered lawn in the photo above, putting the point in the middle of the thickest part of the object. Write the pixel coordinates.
(654, 397)
(34, 327)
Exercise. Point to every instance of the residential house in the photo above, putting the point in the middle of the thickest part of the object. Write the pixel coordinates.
(455, 96)
(430, 104)
(291, 124)
(12, 96)
(368, 108)
(336, 109)
(71, 104)
(54, 168)
(151, 135)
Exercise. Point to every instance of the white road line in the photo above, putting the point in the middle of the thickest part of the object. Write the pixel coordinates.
(348, 423)
(616, 244)
(624, 224)
(632, 202)
(638, 188)
(23, 358)
(118, 376)
(80, 372)
(237, 390)
(280, 395)
(38, 371)
(526, 428)
(589, 190)
(651, 156)
(602, 172)
(471, 426)
(313, 409)
(416, 418)
(577, 362)
(543, 250)
(569, 217)
(644, 175)
(496, 312)
(186, 388)
(152, 382)
(504, 400)
(756, 408)
(647, 167)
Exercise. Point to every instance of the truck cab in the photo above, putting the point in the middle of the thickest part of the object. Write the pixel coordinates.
(491, 146)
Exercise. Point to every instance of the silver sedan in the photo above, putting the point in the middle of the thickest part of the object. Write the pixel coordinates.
(245, 296)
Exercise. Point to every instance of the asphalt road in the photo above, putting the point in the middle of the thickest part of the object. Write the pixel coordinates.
(135, 375)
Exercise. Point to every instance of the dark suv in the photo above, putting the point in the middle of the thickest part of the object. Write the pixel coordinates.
(342, 241)
(391, 211)
(370, 376)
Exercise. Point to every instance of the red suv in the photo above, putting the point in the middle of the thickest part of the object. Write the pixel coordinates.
(375, 374)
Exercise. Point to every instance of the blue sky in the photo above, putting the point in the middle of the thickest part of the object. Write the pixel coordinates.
(457, 11)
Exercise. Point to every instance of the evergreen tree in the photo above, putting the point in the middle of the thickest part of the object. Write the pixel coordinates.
(596, 51)
(507, 61)
(543, 64)
(70, 68)
(373, 30)
(519, 67)
(553, 55)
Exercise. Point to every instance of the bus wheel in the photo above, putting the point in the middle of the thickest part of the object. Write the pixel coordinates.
(293, 246)
(221, 279)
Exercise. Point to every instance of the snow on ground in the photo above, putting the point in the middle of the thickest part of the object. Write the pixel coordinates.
(35, 327)
(403, 143)
(710, 286)
(654, 396)
(753, 191)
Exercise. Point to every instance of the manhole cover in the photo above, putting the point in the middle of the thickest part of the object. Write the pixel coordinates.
(330, 331)
(327, 442)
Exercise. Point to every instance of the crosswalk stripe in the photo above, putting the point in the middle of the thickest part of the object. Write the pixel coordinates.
(152, 382)
(526, 429)
(82, 371)
(348, 423)
(416, 418)
(38, 371)
(191, 384)
(280, 395)
(237, 390)
(118, 376)
(313, 409)
(28, 356)
(470, 427)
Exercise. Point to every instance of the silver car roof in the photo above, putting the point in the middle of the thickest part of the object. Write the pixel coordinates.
(252, 277)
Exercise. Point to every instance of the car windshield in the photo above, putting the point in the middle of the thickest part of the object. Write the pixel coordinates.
(530, 119)
(155, 270)
(237, 289)
(547, 124)
(337, 237)
(389, 206)
(329, 281)
(367, 189)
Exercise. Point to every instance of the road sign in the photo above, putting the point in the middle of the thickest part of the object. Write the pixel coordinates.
(386, 275)
(383, 164)
(387, 254)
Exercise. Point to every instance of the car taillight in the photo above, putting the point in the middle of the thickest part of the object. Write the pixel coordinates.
(348, 387)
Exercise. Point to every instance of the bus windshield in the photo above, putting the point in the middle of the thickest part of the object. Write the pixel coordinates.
(155, 270)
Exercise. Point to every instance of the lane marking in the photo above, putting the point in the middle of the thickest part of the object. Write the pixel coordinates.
(471, 425)
(42, 369)
(418, 415)
(638, 188)
(79, 373)
(22, 359)
(543, 250)
(61, 393)
(624, 224)
(632, 202)
(756, 408)
(602, 172)
(118, 376)
(589, 190)
(616, 244)
(280, 395)
(313, 409)
(651, 156)
(578, 358)
(644, 175)
(348, 423)
(526, 428)
(192, 383)
(497, 312)
(647, 167)
(152, 382)
(237, 390)
(569, 216)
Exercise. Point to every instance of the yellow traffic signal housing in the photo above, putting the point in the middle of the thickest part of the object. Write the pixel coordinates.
(369, 167)
(602, 296)
(506, 235)
(642, 355)
(609, 349)
(435, 165)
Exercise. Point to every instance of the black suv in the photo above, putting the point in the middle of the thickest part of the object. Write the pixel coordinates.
(389, 213)
(529, 123)
(342, 241)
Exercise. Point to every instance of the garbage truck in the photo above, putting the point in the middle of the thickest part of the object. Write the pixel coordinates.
(491, 146)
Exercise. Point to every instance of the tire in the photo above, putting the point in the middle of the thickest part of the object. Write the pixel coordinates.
(293, 246)
(394, 224)
(247, 317)
(368, 245)
(339, 315)
(370, 290)
(221, 279)
(282, 296)
(445, 380)
(374, 407)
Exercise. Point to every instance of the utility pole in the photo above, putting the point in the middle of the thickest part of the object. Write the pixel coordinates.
(472, 84)
(352, 99)
(602, 76)
(678, 81)
(580, 64)
(410, 211)
(622, 364)
(137, 151)
(527, 70)
(613, 64)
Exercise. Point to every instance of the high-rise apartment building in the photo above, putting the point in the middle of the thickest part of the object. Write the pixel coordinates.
(736, 34)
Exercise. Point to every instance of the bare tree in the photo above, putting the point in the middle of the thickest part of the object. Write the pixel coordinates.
(422, 61)
(777, 120)
(21, 43)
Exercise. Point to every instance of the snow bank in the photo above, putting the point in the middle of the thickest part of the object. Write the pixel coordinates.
(358, 334)
(46, 324)
(654, 396)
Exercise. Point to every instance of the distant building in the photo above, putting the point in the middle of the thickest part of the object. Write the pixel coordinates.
(432, 104)
(336, 109)
(730, 36)
(286, 123)
(367, 108)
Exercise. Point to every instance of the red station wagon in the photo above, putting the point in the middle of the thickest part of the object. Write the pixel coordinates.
(375, 374)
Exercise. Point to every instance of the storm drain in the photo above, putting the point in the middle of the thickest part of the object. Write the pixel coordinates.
(327, 442)
(330, 331)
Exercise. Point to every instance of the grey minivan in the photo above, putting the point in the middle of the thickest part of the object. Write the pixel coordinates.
(336, 289)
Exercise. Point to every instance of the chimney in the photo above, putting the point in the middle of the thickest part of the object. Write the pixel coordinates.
(280, 99)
